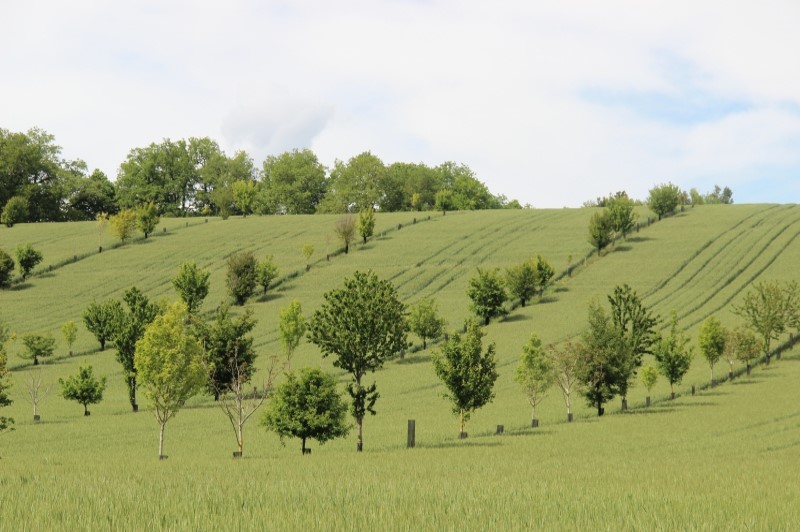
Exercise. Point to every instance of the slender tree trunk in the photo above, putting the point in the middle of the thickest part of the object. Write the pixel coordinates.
(599, 408)
(303, 450)
(85, 409)
(102, 344)
(35, 361)
(161, 439)
(672, 390)
(240, 435)
(522, 302)
(462, 422)
(424, 343)
(360, 426)
(132, 393)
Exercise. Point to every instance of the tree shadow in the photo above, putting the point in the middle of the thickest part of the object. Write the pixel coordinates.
(20, 286)
(634, 239)
(269, 296)
(546, 299)
(561, 288)
(623, 248)
(516, 317)
(412, 360)
(459, 444)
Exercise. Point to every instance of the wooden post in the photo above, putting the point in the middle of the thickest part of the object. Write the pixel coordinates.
(534, 423)
(165, 229)
(647, 401)
(693, 389)
(569, 417)
(412, 433)
(624, 405)
(500, 429)
(462, 435)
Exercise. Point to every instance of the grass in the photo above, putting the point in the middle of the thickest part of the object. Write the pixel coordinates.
(722, 459)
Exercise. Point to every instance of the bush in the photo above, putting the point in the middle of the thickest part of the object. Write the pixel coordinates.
(15, 211)
(28, 258)
(6, 269)
(241, 279)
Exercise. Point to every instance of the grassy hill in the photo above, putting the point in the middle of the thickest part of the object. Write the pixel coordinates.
(667, 467)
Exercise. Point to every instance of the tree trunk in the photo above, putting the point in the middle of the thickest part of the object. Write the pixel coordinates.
(303, 450)
(599, 408)
(521, 302)
(462, 422)
(132, 393)
(365, 240)
(161, 440)
(35, 361)
(102, 344)
(748, 367)
(85, 409)
(346, 248)
(486, 322)
(424, 343)
(360, 441)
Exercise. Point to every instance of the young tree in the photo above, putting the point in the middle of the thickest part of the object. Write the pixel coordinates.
(15, 211)
(192, 285)
(770, 308)
(228, 348)
(308, 406)
(664, 199)
(147, 218)
(292, 328)
(308, 251)
(101, 320)
(601, 231)
(70, 332)
(534, 374)
(742, 344)
(673, 355)
(603, 359)
(361, 324)
(443, 201)
(345, 229)
(5, 382)
(565, 361)
(544, 272)
(6, 269)
(712, 342)
(242, 276)
(169, 363)
(521, 280)
(366, 223)
(266, 272)
(37, 390)
(424, 320)
(649, 379)
(38, 346)
(487, 294)
(27, 258)
(623, 218)
(467, 373)
(102, 223)
(123, 224)
(83, 388)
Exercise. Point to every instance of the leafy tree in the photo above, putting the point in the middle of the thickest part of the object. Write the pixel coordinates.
(146, 218)
(308, 406)
(770, 308)
(719, 196)
(229, 352)
(83, 388)
(91, 196)
(294, 182)
(444, 201)
(5, 383)
(355, 185)
(101, 320)
(308, 251)
(102, 223)
(534, 374)
(345, 228)
(242, 276)
(603, 359)
(15, 211)
(70, 332)
(424, 320)
(521, 280)
(6, 269)
(192, 285)
(169, 363)
(487, 294)
(601, 231)
(712, 342)
(366, 223)
(623, 218)
(266, 272)
(544, 272)
(664, 199)
(27, 258)
(292, 328)
(37, 346)
(649, 379)
(123, 224)
(244, 194)
(673, 355)
(742, 344)
(467, 373)
(361, 324)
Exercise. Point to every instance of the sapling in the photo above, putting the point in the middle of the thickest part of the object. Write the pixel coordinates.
(649, 379)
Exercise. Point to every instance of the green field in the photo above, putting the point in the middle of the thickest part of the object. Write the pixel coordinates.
(726, 458)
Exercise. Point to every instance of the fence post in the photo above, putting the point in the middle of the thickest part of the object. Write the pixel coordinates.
(500, 429)
(412, 433)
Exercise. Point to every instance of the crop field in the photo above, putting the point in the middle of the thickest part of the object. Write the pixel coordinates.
(725, 458)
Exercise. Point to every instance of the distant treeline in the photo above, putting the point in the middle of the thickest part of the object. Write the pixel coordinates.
(195, 177)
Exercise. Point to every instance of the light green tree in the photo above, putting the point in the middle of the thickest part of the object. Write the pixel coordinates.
(742, 344)
(664, 199)
(292, 328)
(601, 231)
(27, 258)
(544, 272)
(522, 281)
(673, 355)
(244, 194)
(366, 223)
(70, 333)
(147, 218)
(308, 251)
(770, 307)
(712, 342)
(37, 346)
(649, 379)
(101, 320)
(535, 374)
(123, 224)
(623, 217)
(14, 211)
(266, 272)
(488, 295)
(424, 320)
(83, 388)
(192, 285)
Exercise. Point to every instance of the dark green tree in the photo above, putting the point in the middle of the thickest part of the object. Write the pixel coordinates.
(83, 388)
(27, 258)
(354, 185)
(424, 320)
(101, 320)
(192, 285)
(294, 182)
(664, 199)
(228, 349)
(6, 269)
(5, 381)
(242, 276)
(522, 281)
(38, 346)
(488, 295)
(673, 355)
(601, 231)
(603, 359)
(362, 324)
(15, 211)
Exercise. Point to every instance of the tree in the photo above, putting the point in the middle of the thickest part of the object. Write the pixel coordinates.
(242, 276)
(308, 251)
(742, 344)
(123, 224)
(424, 320)
(294, 182)
(192, 285)
(544, 272)
(712, 342)
(345, 228)
(70, 333)
(292, 328)
(101, 320)
(361, 324)
(308, 406)
(534, 374)
(673, 355)
(467, 372)
(83, 388)
(229, 352)
(521, 280)
(487, 294)
(603, 359)
(623, 217)
(169, 363)
(649, 379)
(266, 272)
(444, 201)
(366, 223)
(244, 194)
(355, 185)
(38, 346)
(5, 381)
(770, 308)
(6, 269)
(664, 199)
(15, 211)
(37, 390)
(147, 218)
(601, 231)
(27, 258)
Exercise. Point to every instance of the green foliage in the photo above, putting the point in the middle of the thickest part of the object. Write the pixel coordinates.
(719, 196)
(308, 406)
(354, 185)
(266, 272)
(292, 328)
(192, 285)
(534, 373)
(664, 199)
(601, 230)
(308, 251)
(169, 363)
(366, 223)
(345, 229)
(487, 294)
(242, 276)
(146, 219)
(361, 324)
(70, 333)
(673, 354)
(6, 269)
(15, 211)
(444, 200)
(770, 307)
(466, 371)
(712, 341)
(5, 382)
(566, 360)
(424, 320)
(229, 352)
(27, 258)
(244, 195)
(294, 182)
(83, 388)
(604, 360)
(123, 224)
(623, 217)
(101, 320)
(522, 280)
(544, 272)
(37, 346)
(742, 344)
(649, 377)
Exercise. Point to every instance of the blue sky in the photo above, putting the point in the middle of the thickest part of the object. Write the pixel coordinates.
(551, 103)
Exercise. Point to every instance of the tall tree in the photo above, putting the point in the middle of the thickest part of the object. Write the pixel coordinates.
(521, 280)
(673, 355)
(488, 295)
(603, 359)
(712, 342)
(770, 308)
(101, 320)
(534, 374)
(229, 352)
(294, 182)
(361, 324)
(601, 231)
(355, 185)
(192, 285)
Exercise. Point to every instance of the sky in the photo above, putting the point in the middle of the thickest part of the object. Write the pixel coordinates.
(551, 103)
